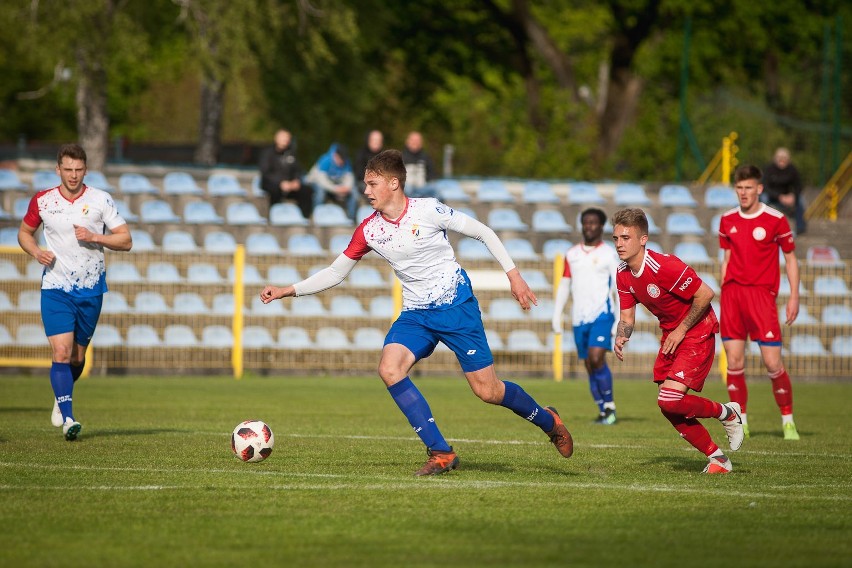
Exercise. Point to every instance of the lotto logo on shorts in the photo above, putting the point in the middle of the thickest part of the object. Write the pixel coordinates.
(471, 351)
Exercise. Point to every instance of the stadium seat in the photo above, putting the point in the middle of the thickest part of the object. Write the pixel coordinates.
(472, 249)
(643, 342)
(493, 191)
(142, 241)
(190, 303)
(98, 180)
(683, 224)
(19, 210)
(543, 311)
(505, 309)
(721, 197)
(450, 190)
(804, 317)
(30, 335)
(368, 339)
(163, 272)
(29, 301)
(224, 185)
(272, 309)
(307, 307)
(539, 192)
(34, 271)
(132, 183)
(824, 256)
(555, 247)
(549, 221)
(281, 274)
(256, 190)
(676, 196)
(223, 304)
(123, 272)
(332, 338)
(142, 335)
(784, 287)
(257, 337)
(830, 286)
(107, 335)
(467, 211)
(179, 335)
(715, 222)
(9, 181)
(631, 194)
(346, 306)
(6, 304)
(262, 243)
(219, 242)
(217, 337)
(366, 277)
(5, 336)
(584, 193)
(653, 229)
(521, 249)
(568, 345)
(4, 215)
(304, 245)
(536, 280)
(9, 270)
(644, 316)
(363, 212)
(201, 213)
(293, 337)
(495, 342)
(243, 213)
(126, 214)
(148, 302)
(690, 252)
(330, 215)
(504, 219)
(338, 243)
(203, 273)
(807, 344)
(157, 211)
(251, 275)
(115, 303)
(710, 280)
(286, 214)
(837, 314)
(45, 179)
(180, 183)
(841, 345)
(381, 307)
(524, 340)
(179, 242)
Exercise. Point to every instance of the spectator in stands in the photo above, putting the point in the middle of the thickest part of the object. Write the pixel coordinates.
(438, 305)
(751, 237)
(281, 174)
(420, 167)
(374, 143)
(783, 186)
(76, 219)
(589, 273)
(675, 294)
(332, 176)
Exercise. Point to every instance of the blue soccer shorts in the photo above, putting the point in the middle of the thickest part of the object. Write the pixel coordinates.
(459, 327)
(595, 334)
(61, 312)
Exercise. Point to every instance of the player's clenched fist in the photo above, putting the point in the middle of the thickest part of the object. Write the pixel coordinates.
(275, 293)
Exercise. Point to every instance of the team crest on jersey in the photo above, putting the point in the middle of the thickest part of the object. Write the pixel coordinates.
(759, 233)
(440, 210)
(415, 230)
(653, 291)
(85, 209)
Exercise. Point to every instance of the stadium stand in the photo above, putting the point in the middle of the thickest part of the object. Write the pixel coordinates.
(219, 242)
(824, 256)
(539, 192)
(107, 335)
(180, 183)
(549, 221)
(98, 180)
(217, 337)
(330, 215)
(135, 183)
(286, 214)
(157, 211)
(505, 219)
(294, 337)
(224, 185)
(631, 194)
(720, 197)
(201, 213)
(449, 190)
(179, 335)
(45, 179)
(676, 196)
(262, 243)
(493, 191)
(584, 193)
(243, 213)
(9, 181)
(179, 241)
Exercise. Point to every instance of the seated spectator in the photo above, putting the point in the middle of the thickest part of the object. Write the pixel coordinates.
(419, 167)
(281, 174)
(332, 176)
(783, 188)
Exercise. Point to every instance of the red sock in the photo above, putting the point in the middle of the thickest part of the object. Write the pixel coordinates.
(687, 405)
(693, 432)
(737, 389)
(783, 390)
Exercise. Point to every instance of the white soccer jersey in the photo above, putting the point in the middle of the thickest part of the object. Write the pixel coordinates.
(417, 248)
(592, 272)
(79, 267)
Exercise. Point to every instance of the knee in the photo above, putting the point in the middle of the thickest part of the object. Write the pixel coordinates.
(390, 373)
(595, 361)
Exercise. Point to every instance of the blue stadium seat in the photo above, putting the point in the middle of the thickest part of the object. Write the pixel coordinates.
(830, 286)
(223, 304)
(691, 252)
(219, 242)
(217, 337)
(363, 212)
(784, 287)
(203, 273)
(283, 274)
(304, 245)
(555, 247)
(6, 304)
(683, 224)
(120, 271)
(807, 344)
(287, 214)
(163, 272)
(539, 192)
(143, 335)
(536, 280)
(45, 179)
(201, 213)
(676, 196)
(179, 335)
(504, 219)
(133, 183)
(841, 346)
(98, 180)
(190, 303)
(837, 314)
(366, 277)
(495, 342)
(493, 191)
(251, 275)
(30, 335)
(4, 215)
(34, 271)
(9, 181)
(9, 270)
(262, 243)
(142, 241)
(6, 337)
(381, 307)
(157, 211)
(711, 281)
(804, 317)
(368, 339)
(631, 194)
(308, 307)
(346, 306)
(467, 211)
(224, 185)
(178, 241)
(330, 215)
(107, 335)
(180, 183)
(721, 197)
(472, 249)
(505, 309)
(525, 340)
(584, 193)
(19, 210)
(256, 190)
(272, 309)
(126, 214)
(450, 190)
(294, 337)
(149, 302)
(332, 339)
(643, 342)
(543, 311)
(115, 303)
(29, 301)
(715, 222)
(243, 213)
(257, 337)
(549, 221)
(568, 345)
(520, 249)
(654, 246)
(338, 243)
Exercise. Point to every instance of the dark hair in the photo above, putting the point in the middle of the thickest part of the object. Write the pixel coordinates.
(388, 164)
(73, 151)
(631, 217)
(594, 211)
(747, 171)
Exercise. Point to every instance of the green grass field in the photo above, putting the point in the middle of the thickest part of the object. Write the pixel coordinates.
(152, 481)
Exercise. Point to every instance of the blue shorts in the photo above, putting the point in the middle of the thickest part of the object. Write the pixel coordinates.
(61, 312)
(595, 334)
(459, 327)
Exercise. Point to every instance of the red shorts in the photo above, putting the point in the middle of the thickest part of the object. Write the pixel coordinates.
(749, 311)
(692, 360)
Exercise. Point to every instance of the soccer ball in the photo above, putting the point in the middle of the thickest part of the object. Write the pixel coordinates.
(252, 441)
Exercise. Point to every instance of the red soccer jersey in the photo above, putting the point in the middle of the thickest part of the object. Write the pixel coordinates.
(664, 285)
(754, 241)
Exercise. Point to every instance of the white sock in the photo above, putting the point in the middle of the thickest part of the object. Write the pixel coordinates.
(717, 454)
(743, 416)
(609, 405)
(786, 419)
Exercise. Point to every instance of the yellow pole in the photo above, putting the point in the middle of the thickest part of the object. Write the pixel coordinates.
(832, 203)
(397, 297)
(87, 364)
(558, 356)
(723, 365)
(239, 300)
(726, 160)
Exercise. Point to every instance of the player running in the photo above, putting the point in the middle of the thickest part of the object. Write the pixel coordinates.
(674, 293)
(438, 304)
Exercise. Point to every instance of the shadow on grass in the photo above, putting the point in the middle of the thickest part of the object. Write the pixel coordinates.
(101, 433)
(693, 463)
(44, 409)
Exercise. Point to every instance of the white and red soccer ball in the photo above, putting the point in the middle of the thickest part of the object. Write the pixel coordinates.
(252, 441)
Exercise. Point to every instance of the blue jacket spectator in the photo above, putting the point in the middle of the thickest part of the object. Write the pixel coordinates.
(332, 177)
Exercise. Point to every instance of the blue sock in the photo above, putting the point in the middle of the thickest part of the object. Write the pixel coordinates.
(518, 401)
(409, 400)
(77, 370)
(603, 377)
(62, 383)
(595, 390)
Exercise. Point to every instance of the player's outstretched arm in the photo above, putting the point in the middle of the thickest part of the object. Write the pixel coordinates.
(792, 268)
(624, 331)
(521, 290)
(270, 293)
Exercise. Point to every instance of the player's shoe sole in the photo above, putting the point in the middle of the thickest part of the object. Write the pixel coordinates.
(790, 432)
(734, 426)
(438, 463)
(560, 436)
(71, 430)
(56, 415)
